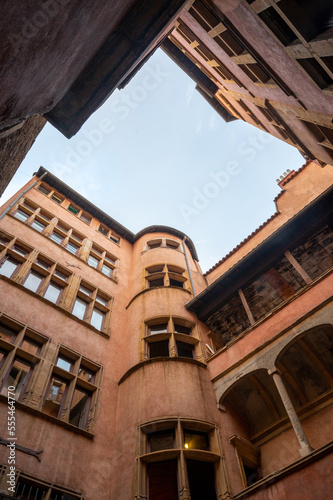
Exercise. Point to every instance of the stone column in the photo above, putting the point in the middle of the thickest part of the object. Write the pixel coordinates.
(295, 422)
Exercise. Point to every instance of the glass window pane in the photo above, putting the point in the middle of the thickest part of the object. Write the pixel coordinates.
(53, 293)
(72, 248)
(77, 237)
(27, 490)
(184, 350)
(56, 237)
(33, 281)
(44, 189)
(196, 440)
(85, 218)
(42, 264)
(177, 283)
(20, 215)
(86, 374)
(79, 309)
(8, 267)
(38, 225)
(162, 440)
(107, 270)
(182, 329)
(64, 363)
(85, 290)
(46, 217)
(92, 261)
(103, 230)
(159, 349)
(54, 397)
(4, 240)
(7, 333)
(20, 250)
(97, 319)
(155, 283)
(162, 328)
(61, 275)
(79, 408)
(109, 259)
(101, 300)
(17, 377)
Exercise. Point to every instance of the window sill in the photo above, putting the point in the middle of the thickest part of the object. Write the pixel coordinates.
(157, 288)
(114, 279)
(265, 483)
(163, 359)
(45, 416)
(55, 306)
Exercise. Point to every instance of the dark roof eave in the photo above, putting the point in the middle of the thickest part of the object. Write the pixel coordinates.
(232, 279)
(118, 228)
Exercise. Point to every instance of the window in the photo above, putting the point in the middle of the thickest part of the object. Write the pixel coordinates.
(44, 189)
(154, 244)
(161, 242)
(8, 267)
(165, 275)
(72, 248)
(93, 306)
(35, 489)
(57, 238)
(102, 261)
(57, 198)
(20, 215)
(73, 209)
(38, 225)
(85, 217)
(168, 443)
(104, 230)
(72, 386)
(53, 293)
(33, 281)
(20, 349)
(171, 337)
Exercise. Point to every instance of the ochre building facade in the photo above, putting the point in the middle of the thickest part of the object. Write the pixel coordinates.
(136, 376)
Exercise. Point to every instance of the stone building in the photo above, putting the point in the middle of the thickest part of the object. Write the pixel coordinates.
(269, 63)
(137, 376)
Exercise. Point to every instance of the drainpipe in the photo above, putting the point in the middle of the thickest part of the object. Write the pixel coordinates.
(188, 267)
(20, 196)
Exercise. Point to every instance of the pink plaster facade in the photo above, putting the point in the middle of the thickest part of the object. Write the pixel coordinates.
(107, 457)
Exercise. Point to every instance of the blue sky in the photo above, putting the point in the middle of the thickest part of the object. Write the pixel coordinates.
(157, 153)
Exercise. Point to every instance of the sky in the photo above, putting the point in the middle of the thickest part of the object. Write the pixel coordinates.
(157, 153)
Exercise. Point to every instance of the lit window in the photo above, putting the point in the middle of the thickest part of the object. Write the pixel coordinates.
(33, 281)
